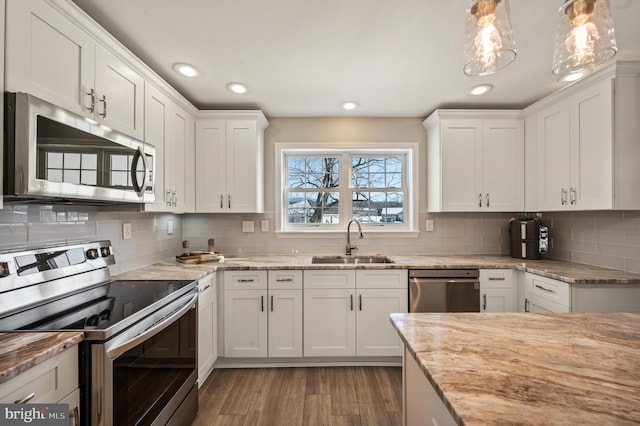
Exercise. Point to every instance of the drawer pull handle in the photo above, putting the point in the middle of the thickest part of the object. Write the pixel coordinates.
(543, 288)
(261, 303)
(351, 301)
(25, 399)
(526, 305)
(75, 415)
(284, 280)
(250, 280)
(360, 301)
(484, 302)
(497, 278)
(205, 288)
(271, 303)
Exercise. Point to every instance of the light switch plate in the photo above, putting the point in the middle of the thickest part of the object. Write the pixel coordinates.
(248, 226)
(126, 231)
(169, 227)
(429, 225)
(264, 225)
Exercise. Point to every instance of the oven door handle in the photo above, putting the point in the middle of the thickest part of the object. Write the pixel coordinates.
(166, 322)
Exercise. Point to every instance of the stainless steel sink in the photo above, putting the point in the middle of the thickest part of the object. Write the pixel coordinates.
(351, 259)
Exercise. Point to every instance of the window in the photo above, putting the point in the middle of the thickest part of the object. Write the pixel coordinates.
(322, 189)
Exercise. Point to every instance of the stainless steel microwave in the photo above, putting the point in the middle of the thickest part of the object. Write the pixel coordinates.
(54, 155)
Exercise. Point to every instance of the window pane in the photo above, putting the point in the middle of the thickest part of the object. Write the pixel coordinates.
(54, 160)
(88, 178)
(376, 172)
(54, 175)
(377, 207)
(119, 162)
(119, 178)
(71, 176)
(313, 207)
(89, 161)
(71, 161)
(313, 172)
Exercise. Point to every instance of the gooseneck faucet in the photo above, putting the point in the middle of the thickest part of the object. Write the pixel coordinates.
(349, 246)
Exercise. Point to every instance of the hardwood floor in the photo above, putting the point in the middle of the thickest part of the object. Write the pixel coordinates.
(302, 396)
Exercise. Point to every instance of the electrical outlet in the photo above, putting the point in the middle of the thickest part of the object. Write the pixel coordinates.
(248, 226)
(169, 227)
(264, 225)
(126, 231)
(429, 225)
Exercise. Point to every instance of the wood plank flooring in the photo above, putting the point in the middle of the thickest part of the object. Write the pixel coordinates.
(302, 396)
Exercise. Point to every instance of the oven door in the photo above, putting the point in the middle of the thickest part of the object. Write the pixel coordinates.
(147, 373)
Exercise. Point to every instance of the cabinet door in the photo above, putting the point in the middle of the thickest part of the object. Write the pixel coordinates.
(73, 399)
(285, 323)
(592, 148)
(503, 165)
(244, 162)
(245, 323)
(207, 327)
(538, 304)
(120, 94)
(554, 153)
(156, 132)
(48, 56)
(175, 161)
(461, 164)
(211, 168)
(496, 300)
(329, 322)
(375, 335)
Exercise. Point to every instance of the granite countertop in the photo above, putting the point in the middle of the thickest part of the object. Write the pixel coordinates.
(20, 351)
(572, 273)
(533, 369)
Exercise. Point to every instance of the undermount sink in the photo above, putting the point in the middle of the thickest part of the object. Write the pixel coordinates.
(351, 259)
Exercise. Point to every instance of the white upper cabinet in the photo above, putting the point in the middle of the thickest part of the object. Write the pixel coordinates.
(169, 129)
(51, 57)
(229, 162)
(587, 146)
(475, 161)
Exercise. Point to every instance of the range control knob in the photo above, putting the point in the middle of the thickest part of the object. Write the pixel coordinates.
(105, 251)
(92, 254)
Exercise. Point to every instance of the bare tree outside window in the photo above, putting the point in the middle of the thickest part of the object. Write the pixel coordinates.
(376, 185)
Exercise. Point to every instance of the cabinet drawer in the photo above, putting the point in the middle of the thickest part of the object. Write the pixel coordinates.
(285, 280)
(385, 278)
(245, 280)
(329, 279)
(50, 380)
(549, 289)
(206, 289)
(496, 278)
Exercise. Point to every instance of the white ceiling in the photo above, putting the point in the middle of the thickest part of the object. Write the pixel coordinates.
(399, 58)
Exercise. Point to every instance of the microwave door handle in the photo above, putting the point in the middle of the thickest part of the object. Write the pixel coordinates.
(135, 341)
(134, 171)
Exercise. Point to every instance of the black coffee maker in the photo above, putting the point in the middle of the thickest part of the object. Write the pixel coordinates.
(529, 238)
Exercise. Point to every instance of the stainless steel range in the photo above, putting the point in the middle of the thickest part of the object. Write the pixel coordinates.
(138, 362)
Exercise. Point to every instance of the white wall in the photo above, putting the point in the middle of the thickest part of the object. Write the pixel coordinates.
(485, 233)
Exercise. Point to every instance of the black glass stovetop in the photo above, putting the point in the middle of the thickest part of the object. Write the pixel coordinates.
(103, 307)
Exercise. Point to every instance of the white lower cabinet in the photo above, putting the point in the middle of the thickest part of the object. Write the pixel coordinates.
(497, 292)
(285, 314)
(346, 313)
(207, 327)
(263, 314)
(54, 380)
(544, 294)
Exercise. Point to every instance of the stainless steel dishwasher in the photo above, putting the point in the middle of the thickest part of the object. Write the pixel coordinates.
(444, 290)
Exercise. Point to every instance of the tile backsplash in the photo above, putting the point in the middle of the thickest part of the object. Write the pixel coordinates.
(604, 238)
(34, 226)
(608, 238)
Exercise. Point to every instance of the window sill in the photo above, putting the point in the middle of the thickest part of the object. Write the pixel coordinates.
(368, 233)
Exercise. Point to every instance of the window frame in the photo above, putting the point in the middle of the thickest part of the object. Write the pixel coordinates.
(346, 151)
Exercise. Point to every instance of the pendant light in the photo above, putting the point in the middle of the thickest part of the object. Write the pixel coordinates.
(488, 44)
(584, 37)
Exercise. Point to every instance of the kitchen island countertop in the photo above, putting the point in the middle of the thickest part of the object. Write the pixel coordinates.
(20, 351)
(533, 369)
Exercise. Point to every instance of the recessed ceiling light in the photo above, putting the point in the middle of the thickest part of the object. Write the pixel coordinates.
(349, 105)
(239, 88)
(481, 89)
(186, 69)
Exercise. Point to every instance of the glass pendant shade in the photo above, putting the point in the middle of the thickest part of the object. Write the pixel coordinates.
(584, 37)
(488, 43)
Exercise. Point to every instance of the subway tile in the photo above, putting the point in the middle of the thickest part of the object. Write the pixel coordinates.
(598, 260)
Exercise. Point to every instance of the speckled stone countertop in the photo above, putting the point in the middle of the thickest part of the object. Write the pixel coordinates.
(530, 369)
(573, 273)
(20, 351)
